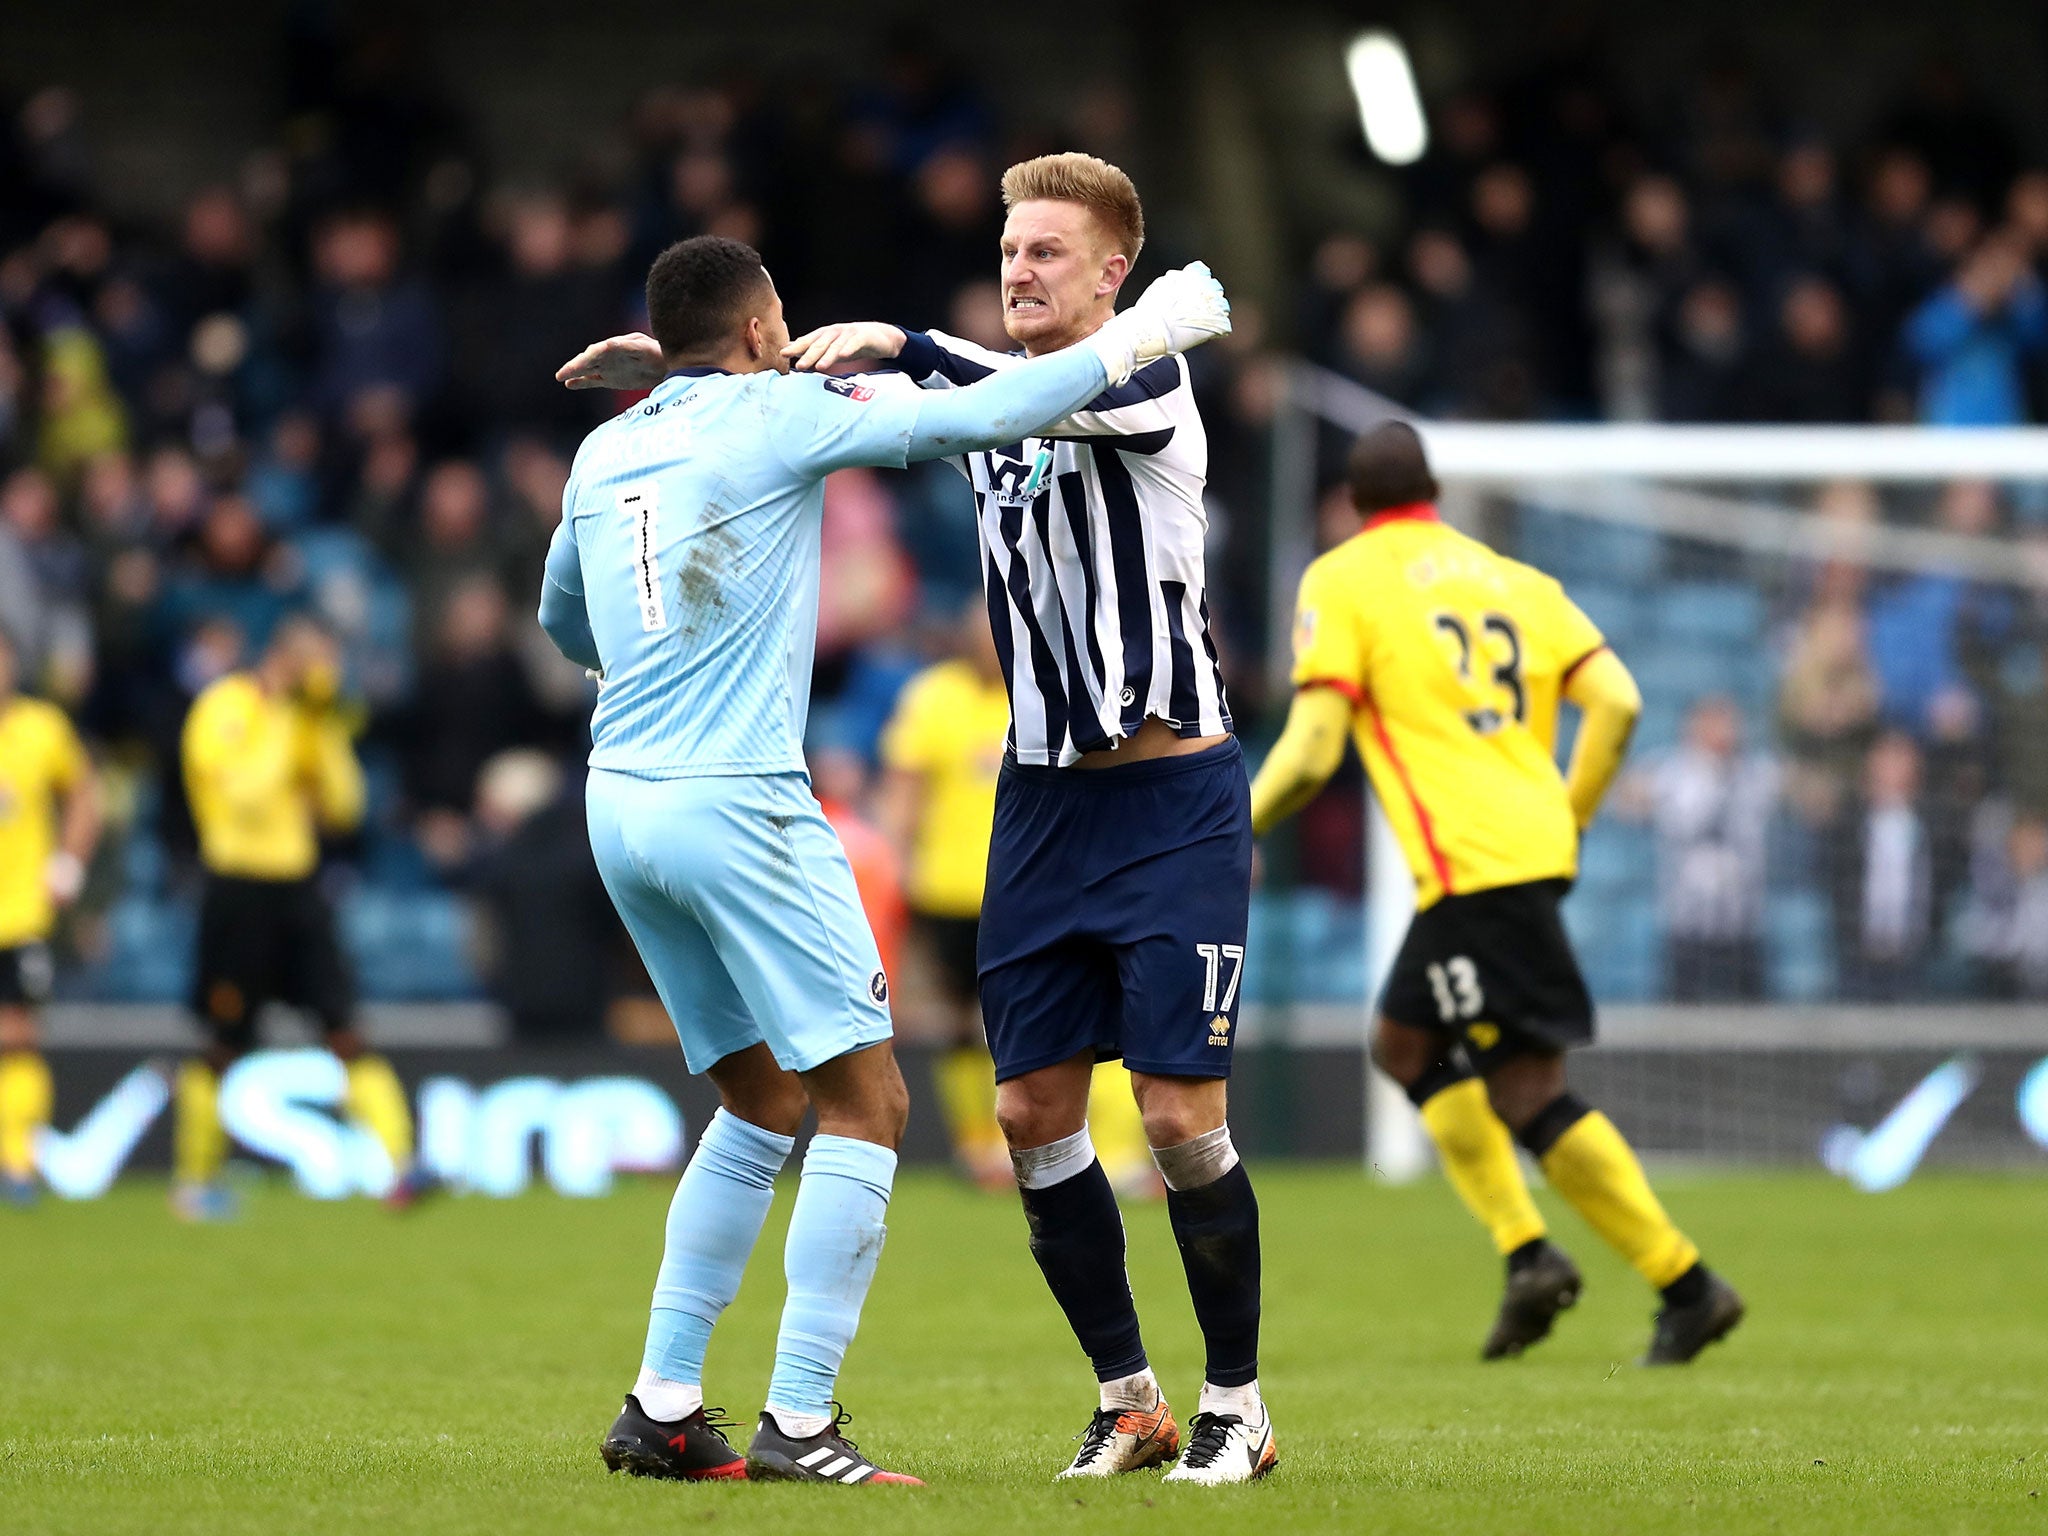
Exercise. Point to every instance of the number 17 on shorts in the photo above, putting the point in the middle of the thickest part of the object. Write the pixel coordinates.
(1222, 970)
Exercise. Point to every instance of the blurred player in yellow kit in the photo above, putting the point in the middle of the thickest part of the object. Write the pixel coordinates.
(269, 766)
(1448, 662)
(49, 822)
(941, 754)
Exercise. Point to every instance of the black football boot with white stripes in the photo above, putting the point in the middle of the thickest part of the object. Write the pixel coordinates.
(826, 1457)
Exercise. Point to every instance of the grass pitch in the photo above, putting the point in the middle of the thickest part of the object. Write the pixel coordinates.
(319, 1369)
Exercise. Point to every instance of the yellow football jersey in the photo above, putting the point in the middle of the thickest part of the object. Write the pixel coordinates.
(40, 757)
(1454, 657)
(949, 727)
(264, 776)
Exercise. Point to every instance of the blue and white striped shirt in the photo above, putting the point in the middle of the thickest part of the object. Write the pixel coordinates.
(1092, 541)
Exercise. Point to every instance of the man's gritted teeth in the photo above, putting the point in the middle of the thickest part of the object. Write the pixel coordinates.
(1026, 303)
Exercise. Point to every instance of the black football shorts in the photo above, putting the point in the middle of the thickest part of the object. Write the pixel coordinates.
(1494, 970)
(262, 941)
(26, 975)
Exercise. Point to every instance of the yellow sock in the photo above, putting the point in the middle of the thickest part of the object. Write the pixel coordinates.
(200, 1146)
(1116, 1127)
(376, 1101)
(25, 1097)
(967, 1096)
(1591, 1166)
(1478, 1156)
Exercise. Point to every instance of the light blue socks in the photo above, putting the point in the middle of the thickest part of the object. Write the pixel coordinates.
(835, 1238)
(713, 1223)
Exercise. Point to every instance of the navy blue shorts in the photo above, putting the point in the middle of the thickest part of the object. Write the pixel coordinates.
(1115, 914)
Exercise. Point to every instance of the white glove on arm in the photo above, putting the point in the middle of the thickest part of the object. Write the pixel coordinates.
(64, 877)
(1179, 311)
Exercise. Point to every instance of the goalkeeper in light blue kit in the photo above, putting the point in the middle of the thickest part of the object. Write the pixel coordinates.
(685, 572)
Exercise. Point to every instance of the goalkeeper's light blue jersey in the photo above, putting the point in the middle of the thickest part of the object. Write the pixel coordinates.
(691, 529)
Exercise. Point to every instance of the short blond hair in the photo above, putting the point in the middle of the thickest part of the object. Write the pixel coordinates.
(1095, 184)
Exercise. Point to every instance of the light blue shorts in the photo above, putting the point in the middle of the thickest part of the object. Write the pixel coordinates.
(739, 897)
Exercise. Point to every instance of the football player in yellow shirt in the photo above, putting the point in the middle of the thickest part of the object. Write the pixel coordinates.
(941, 753)
(1447, 662)
(49, 823)
(269, 766)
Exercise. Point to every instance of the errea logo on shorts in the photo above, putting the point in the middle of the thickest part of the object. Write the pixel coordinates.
(1219, 1030)
(878, 987)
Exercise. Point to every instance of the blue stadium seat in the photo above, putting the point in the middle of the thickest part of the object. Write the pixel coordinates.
(1799, 948)
(1543, 538)
(1618, 945)
(1616, 859)
(412, 946)
(1305, 945)
(1612, 552)
(144, 866)
(1718, 613)
(1617, 610)
(1674, 673)
(1662, 721)
(149, 952)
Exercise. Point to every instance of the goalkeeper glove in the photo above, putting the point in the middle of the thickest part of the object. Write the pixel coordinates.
(1179, 311)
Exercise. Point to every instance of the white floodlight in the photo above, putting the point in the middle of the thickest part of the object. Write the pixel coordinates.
(1389, 106)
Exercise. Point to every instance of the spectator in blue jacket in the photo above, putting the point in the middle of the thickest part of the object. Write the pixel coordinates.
(1972, 339)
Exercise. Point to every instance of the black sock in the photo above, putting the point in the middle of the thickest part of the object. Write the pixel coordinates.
(1217, 1227)
(1077, 1236)
(1688, 1288)
(1526, 1255)
(1435, 1078)
(1551, 1122)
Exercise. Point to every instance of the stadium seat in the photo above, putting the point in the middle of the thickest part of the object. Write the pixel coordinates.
(1709, 613)
(1617, 860)
(1618, 944)
(1617, 610)
(1306, 945)
(1798, 947)
(149, 952)
(144, 866)
(412, 946)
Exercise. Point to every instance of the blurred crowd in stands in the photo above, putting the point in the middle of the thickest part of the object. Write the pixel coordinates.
(1725, 264)
(328, 384)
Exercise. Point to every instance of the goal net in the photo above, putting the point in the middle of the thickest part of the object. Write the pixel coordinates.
(1815, 909)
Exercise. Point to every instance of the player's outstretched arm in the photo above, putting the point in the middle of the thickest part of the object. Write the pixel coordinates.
(1606, 692)
(632, 361)
(1301, 762)
(850, 341)
(1180, 311)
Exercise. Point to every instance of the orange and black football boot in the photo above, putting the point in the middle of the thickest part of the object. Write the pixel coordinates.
(692, 1449)
(1126, 1440)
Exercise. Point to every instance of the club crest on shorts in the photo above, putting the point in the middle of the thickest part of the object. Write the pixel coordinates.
(1485, 1036)
(1219, 1030)
(878, 987)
